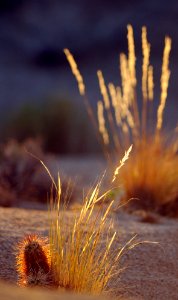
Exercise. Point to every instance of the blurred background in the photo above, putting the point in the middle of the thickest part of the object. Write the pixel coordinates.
(38, 94)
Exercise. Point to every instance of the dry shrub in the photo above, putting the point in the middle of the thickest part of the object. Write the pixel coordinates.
(22, 178)
(17, 169)
(151, 174)
(18, 172)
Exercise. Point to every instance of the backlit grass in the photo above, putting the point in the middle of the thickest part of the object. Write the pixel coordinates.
(151, 174)
(83, 251)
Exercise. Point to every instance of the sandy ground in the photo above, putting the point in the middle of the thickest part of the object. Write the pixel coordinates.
(10, 292)
(84, 171)
(151, 271)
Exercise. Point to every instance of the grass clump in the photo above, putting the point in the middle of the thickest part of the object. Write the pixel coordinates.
(151, 177)
(84, 253)
(83, 256)
(151, 174)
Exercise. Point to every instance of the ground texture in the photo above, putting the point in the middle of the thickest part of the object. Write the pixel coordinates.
(150, 271)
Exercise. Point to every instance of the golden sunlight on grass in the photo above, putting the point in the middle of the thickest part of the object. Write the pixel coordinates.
(151, 174)
(84, 256)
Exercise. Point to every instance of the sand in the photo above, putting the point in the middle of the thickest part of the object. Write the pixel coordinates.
(10, 292)
(150, 270)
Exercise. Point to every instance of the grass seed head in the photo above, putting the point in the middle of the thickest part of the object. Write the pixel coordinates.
(151, 174)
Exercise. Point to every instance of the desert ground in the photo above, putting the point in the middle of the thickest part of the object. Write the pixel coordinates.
(150, 271)
(124, 75)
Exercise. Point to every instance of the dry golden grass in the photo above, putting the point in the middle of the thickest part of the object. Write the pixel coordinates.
(84, 256)
(152, 172)
(152, 178)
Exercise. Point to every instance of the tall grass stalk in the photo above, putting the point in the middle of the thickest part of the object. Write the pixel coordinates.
(127, 124)
(84, 252)
(152, 171)
(84, 256)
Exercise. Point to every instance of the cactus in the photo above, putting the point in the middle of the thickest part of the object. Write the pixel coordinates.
(34, 262)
